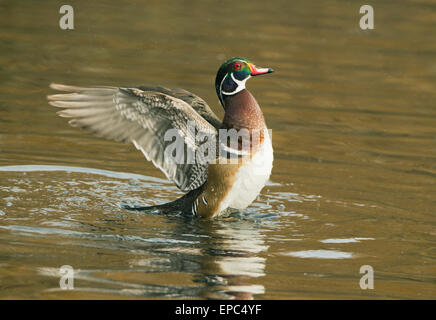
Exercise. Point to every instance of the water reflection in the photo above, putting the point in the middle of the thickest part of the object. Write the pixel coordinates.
(157, 256)
(230, 259)
(321, 254)
(224, 262)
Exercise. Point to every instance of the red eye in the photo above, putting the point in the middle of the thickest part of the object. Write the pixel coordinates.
(238, 66)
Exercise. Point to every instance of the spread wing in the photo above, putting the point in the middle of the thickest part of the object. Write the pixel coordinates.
(142, 116)
(193, 100)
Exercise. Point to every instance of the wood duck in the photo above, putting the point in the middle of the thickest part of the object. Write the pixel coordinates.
(143, 115)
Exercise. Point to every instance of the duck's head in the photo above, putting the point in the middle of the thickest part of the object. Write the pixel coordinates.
(232, 75)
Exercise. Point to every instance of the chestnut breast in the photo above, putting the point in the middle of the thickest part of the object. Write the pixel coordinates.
(242, 111)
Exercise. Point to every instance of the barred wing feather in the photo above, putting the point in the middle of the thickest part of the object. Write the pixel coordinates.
(142, 116)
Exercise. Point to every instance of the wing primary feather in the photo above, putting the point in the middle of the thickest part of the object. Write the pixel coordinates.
(142, 116)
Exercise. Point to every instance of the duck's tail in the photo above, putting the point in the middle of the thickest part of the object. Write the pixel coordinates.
(182, 205)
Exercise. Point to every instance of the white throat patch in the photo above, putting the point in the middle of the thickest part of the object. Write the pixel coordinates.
(240, 83)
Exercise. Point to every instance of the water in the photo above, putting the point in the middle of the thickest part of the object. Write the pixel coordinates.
(354, 134)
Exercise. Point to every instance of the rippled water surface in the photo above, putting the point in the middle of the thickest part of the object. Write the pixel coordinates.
(353, 118)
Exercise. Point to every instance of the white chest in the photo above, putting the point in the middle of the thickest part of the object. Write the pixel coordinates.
(250, 178)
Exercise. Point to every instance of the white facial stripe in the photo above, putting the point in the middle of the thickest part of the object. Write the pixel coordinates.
(240, 83)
